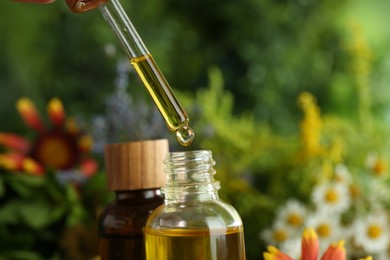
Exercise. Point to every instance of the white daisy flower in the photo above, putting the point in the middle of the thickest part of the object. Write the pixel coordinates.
(292, 214)
(381, 194)
(328, 228)
(331, 197)
(279, 233)
(382, 256)
(372, 233)
(342, 174)
(292, 247)
(376, 165)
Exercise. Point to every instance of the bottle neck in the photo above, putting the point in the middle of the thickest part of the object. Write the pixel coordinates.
(190, 177)
(139, 196)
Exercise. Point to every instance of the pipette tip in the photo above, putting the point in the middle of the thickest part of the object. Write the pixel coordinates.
(185, 135)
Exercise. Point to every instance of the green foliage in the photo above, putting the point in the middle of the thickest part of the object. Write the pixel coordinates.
(36, 212)
(256, 57)
(252, 161)
(260, 169)
(268, 51)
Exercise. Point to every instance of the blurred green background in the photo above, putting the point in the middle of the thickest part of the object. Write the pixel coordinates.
(267, 51)
(237, 66)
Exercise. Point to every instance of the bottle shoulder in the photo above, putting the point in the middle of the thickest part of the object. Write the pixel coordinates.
(200, 214)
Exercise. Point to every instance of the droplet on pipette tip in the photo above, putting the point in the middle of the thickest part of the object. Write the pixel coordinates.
(185, 135)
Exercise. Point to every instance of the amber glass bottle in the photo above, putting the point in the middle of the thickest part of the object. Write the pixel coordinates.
(193, 223)
(135, 173)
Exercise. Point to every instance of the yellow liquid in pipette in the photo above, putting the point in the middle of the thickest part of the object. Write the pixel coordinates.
(164, 98)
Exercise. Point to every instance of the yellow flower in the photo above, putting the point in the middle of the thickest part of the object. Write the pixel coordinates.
(311, 124)
(361, 68)
(366, 258)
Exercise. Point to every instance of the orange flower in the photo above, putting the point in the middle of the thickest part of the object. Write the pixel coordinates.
(335, 251)
(57, 147)
(310, 244)
(310, 249)
(275, 254)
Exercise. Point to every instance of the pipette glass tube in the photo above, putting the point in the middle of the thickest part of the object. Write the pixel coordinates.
(145, 66)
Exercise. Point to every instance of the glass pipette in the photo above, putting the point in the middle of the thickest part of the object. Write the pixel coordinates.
(145, 66)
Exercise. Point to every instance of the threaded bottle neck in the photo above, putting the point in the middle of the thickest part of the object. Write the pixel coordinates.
(190, 176)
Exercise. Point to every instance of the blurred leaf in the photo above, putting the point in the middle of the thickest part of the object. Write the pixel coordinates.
(21, 255)
(23, 183)
(58, 212)
(37, 215)
(9, 212)
(53, 189)
(96, 191)
(71, 194)
(2, 188)
(77, 212)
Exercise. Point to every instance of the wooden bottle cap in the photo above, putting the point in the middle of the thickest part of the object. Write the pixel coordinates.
(136, 165)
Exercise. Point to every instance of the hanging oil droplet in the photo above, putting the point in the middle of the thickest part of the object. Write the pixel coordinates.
(185, 135)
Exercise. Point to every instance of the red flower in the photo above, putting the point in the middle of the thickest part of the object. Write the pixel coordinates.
(61, 146)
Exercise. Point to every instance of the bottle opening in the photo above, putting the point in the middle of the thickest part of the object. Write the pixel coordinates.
(188, 160)
(190, 173)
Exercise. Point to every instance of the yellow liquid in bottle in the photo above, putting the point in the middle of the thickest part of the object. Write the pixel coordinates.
(195, 244)
(164, 98)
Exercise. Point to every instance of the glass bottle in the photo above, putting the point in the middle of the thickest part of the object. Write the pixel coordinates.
(193, 223)
(135, 173)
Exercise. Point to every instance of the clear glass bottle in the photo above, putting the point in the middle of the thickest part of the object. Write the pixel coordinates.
(193, 223)
(135, 173)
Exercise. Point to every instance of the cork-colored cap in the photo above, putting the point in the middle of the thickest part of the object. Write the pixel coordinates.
(136, 165)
